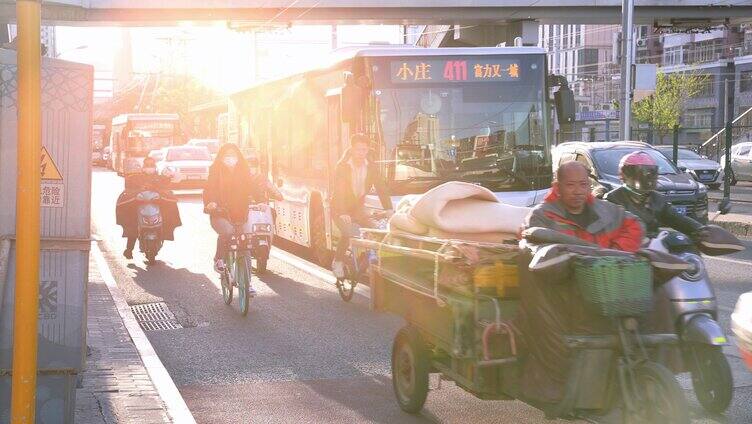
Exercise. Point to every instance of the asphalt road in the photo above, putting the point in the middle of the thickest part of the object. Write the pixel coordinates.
(302, 354)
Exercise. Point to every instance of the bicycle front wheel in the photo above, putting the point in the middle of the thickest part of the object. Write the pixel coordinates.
(243, 275)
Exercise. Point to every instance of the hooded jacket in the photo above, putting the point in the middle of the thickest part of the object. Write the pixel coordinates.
(613, 228)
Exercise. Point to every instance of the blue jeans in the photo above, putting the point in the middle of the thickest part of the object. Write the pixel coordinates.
(225, 230)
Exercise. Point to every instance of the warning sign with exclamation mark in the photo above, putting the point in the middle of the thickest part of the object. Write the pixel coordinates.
(53, 186)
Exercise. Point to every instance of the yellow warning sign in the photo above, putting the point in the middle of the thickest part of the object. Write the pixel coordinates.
(49, 169)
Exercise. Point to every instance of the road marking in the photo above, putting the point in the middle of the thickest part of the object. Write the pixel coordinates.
(168, 392)
(314, 270)
(733, 261)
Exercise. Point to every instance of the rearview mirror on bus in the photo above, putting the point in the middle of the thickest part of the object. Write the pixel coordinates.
(565, 107)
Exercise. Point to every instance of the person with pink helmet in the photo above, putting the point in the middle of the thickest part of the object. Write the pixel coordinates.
(639, 174)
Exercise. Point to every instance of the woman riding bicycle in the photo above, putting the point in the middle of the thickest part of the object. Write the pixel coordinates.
(227, 197)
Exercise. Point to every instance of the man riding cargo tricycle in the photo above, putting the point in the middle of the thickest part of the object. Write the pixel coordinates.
(553, 320)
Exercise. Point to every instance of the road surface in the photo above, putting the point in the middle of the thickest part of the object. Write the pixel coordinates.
(302, 354)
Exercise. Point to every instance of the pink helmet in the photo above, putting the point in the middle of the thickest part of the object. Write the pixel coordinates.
(639, 171)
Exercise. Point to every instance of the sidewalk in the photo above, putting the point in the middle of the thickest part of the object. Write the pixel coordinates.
(116, 386)
(738, 224)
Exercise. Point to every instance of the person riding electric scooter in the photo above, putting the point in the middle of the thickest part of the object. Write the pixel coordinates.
(639, 173)
(127, 211)
(685, 304)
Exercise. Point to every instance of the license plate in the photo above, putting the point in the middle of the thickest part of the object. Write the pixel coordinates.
(681, 210)
(193, 177)
(262, 242)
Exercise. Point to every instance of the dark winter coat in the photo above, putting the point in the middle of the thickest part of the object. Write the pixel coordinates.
(344, 199)
(655, 212)
(126, 212)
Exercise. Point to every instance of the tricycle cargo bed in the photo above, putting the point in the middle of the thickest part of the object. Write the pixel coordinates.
(440, 267)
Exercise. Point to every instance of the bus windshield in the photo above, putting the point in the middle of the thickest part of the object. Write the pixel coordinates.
(481, 120)
(145, 136)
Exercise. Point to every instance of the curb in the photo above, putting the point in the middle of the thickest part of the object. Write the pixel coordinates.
(168, 392)
(739, 229)
(314, 270)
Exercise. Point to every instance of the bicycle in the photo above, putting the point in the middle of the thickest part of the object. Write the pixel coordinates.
(238, 270)
(356, 263)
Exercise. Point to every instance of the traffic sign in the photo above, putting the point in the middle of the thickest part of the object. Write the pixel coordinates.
(48, 167)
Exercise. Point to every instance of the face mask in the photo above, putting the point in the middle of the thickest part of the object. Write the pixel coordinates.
(230, 161)
(150, 171)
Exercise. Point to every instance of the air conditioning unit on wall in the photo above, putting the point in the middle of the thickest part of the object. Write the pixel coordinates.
(642, 42)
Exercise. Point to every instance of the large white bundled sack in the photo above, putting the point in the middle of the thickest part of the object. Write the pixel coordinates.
(456, 208)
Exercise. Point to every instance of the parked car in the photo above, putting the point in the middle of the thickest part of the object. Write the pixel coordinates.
(188, 165)
(741, 325)
(684, 193)
(210, 143)
(741, 162)
(704, 170)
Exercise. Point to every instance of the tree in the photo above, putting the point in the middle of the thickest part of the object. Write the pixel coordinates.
(663, 109)
(178, 94)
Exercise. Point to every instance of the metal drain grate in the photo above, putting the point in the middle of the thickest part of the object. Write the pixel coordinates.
(155, 317)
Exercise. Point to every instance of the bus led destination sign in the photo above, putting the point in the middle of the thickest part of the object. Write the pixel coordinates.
(462, 70)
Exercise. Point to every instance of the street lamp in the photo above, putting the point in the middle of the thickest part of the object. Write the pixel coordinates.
(81, 47)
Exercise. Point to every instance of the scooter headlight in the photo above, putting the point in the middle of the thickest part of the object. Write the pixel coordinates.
(697, 267)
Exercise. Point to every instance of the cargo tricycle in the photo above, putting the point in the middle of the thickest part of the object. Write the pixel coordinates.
(460, 300)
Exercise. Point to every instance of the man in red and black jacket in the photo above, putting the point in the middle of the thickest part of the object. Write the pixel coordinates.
(550, 306)
(571, 209)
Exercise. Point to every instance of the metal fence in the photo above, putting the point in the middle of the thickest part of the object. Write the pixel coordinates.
(707, 141)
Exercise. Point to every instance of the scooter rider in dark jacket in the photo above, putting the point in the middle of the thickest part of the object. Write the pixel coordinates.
(127, 212)
(639, 173)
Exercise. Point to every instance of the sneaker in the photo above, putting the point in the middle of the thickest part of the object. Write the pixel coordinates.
(338, 268)
(219, 266)
(252, 292)
(128, 254)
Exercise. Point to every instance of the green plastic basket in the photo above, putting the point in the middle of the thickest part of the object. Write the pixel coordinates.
(615, 286)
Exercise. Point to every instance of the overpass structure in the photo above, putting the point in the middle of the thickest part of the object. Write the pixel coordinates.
(260, 13)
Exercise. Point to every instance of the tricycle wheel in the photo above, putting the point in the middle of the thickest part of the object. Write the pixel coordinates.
(410, 366)
(657, 397)
(346, 288)
(711, 378)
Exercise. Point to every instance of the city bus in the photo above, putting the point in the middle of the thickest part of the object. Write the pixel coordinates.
(481, 115)
(134, 135)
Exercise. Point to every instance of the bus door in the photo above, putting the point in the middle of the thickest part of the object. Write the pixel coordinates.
(335, 140)
(337, 144)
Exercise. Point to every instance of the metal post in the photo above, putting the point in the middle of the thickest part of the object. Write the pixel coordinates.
(728, 115)
(24, 380)
(627, 8)
(608, 130)
(676, 144)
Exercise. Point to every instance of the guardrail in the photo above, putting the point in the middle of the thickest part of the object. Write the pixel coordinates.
(713, 144)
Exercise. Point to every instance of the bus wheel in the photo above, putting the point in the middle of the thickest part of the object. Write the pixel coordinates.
(319, 251)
